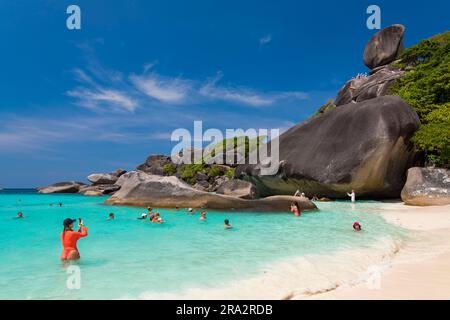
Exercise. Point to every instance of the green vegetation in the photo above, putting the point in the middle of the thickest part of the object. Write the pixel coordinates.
(214, 171)
(326, 107)
(188, 172)
(169, 169)
(230, 173)
(426, 87)
(250, 145)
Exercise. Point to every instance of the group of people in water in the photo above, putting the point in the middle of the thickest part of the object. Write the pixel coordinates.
(295, 208)
(69, 237)
(297, 193)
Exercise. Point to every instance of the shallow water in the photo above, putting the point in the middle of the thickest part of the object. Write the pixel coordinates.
(129, 258)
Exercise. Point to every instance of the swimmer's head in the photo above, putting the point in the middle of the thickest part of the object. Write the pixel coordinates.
(227, 222)
(357, 226)
(68, 224)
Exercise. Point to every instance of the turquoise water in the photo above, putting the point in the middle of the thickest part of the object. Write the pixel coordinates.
(126, 257)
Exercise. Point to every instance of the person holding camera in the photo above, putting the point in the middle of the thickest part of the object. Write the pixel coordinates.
(69, 239)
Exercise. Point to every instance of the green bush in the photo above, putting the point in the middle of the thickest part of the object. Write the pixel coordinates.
(169, 169)
(230, 173)
(214, 171)
(426, 87)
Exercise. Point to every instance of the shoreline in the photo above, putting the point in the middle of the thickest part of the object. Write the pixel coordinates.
(419, 270)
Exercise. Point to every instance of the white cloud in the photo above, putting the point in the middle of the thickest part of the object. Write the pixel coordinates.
(266, 39)
(244, 95)
(164, 89)
(98, 98)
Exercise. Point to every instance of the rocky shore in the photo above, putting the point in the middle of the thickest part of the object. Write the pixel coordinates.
(143, 189)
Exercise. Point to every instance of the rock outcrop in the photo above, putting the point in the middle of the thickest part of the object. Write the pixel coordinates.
(238, 188)
(99, 190)
(102, 178)
(427, 187)
(362, 146)
(155, 164)
(364, 88)
(380, 56)
(384, 47)
(62, 187)
(142, 189)
(106, 178)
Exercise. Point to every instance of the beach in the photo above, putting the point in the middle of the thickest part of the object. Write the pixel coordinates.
(418, 271)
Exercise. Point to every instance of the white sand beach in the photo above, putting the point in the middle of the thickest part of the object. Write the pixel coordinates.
(421, 270)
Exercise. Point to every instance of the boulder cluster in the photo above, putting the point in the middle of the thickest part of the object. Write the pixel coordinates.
(101, 184)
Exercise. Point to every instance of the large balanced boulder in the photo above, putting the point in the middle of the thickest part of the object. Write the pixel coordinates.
(384, 47)
(142, 189)
(427, 187)
(362, 146)
(238, 188)
(62, 187)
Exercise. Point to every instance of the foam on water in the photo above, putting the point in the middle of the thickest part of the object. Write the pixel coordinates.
(266, 255)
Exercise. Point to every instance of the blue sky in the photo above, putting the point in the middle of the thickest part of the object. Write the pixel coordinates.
(73, 102)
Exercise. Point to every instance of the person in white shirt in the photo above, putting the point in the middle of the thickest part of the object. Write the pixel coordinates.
(352, 196)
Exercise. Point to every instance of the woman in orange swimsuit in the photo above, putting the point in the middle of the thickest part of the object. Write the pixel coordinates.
(69, 239)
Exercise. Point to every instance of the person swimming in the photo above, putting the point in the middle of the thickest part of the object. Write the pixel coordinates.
(157, 218)
(203, 216)
(69, 239)
(150, 214)
(111, 216)
(143, 216)
(357, 226)
(295, 209)
(227, 224)
(19, 215)
(191, 211)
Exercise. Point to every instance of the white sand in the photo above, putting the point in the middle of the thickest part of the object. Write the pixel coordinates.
(421, 270)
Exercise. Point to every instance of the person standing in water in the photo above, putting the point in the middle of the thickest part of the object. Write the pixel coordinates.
(69, 239)
(203, 216)
(295, 209)
(111, 216)
(352, 196)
